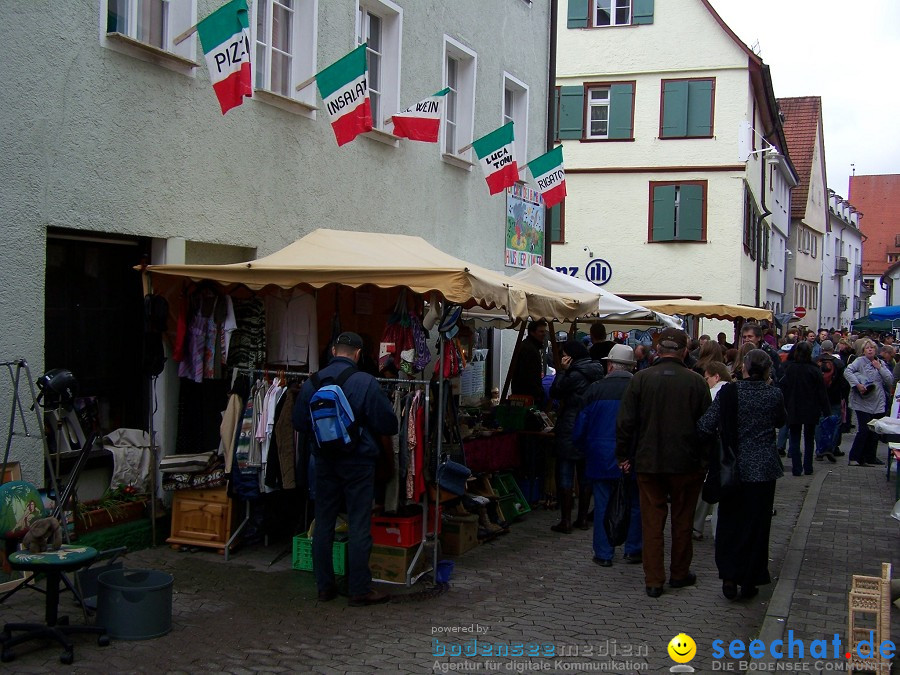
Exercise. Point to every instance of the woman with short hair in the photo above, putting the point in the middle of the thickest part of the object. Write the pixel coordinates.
(870, 381)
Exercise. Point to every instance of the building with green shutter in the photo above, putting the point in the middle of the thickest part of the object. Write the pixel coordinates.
(674, 155)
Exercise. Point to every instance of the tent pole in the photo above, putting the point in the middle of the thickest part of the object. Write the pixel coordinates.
(513, 362)
(440, 445)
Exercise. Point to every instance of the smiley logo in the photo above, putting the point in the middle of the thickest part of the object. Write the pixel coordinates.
(682, 648)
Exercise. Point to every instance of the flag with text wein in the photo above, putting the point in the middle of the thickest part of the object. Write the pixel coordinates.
(225, 38)
(550, 175)
(497, 155)
(422, 121)
(345, 91)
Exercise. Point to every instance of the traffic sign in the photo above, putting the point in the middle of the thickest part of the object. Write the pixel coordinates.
(799, 312)
(598, 271)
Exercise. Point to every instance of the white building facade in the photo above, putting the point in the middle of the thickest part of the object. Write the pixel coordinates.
(841, 301)
(667, 121)
(119, 154)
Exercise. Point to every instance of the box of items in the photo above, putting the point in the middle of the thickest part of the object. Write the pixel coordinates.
(460, 534)
(390, 563)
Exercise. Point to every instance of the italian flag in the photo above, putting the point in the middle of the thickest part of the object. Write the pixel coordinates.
(345, 91)
(225, 38)
(550, 175)
(498, 158)
(422, 121)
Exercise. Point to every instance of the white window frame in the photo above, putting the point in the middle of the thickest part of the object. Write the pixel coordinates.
(588, 133)
(304, 44)
(465, 102)
(179, 16)
(515, 96)
(391, 15)
(613, 4)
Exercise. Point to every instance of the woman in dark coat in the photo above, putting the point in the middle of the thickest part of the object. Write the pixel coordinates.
(576, 372)
(806, 400)
(748, 412)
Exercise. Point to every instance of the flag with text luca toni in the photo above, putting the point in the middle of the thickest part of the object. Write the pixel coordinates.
(345, 91)
(225, 38)
(497, 155)
(550, 175)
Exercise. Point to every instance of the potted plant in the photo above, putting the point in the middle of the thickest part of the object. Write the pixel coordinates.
(120, 504)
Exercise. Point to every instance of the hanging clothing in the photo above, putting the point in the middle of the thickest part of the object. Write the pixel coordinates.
(285, 438)
(291, 330)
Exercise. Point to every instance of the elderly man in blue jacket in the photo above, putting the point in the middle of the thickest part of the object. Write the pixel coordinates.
(350, 476)
(595, 434)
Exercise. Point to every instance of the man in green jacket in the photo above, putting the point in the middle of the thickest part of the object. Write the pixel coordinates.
(656, 433)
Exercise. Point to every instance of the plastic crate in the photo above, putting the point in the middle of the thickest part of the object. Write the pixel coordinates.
(508, 508)
(303, 559)
(505, 484)
(511, 417)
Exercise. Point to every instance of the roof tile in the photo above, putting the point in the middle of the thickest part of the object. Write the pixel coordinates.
(801, 121)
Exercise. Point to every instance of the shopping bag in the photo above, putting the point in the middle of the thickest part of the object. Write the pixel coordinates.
(618, 512)
(826, 433)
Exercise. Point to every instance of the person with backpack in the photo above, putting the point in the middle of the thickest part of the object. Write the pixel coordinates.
(346, 413)
(828, 433)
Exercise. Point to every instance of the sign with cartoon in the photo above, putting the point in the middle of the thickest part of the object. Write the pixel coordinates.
(524, 227)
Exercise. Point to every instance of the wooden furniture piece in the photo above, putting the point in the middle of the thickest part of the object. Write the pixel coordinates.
(201, 518)
(869, 618)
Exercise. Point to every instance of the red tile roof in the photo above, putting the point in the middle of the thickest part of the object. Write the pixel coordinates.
(801, 121)
(878, 199)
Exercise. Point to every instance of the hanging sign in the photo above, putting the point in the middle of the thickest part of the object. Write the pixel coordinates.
(524, 227)
(598, 271)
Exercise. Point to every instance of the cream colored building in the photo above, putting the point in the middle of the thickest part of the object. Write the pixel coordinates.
(668, 123)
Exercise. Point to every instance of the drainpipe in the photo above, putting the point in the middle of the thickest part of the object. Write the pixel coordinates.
(764, 161)
(551, 118)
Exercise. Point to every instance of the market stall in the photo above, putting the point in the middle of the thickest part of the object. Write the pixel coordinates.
(710, 310)
(330, 281)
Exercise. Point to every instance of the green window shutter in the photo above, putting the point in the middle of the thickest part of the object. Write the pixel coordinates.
(690, 213)
(699, 118)
(663, 213)
(621, 99)
(571, 112)
(675, 109)
(578, 13)
(555, 229)
(642, 12)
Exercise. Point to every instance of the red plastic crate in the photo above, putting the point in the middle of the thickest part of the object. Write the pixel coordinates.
(400, 531)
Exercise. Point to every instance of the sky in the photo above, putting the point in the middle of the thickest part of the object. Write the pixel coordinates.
(845, 51)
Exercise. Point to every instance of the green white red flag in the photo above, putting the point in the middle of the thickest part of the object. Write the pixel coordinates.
(550, 175)
(497, 155)
(225, 38)
(422, 121)
(345, 90)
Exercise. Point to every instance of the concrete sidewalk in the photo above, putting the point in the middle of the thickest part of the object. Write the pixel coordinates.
(532, 592)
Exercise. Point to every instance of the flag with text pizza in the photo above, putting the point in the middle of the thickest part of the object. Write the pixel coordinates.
(345, 91)
(422, 121)
(550, 175)
(497, 155)
(225, 38)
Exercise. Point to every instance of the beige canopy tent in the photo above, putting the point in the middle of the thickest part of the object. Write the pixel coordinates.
(355, 259)
(711, 310)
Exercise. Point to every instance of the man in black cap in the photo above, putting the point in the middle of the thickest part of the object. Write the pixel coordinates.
(528, 374)
(656, 434)
(347, 476)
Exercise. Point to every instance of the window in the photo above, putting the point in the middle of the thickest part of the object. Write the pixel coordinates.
(151, 23)
(285, 39)
(687, 108)
(515, 110)
(751, 224)
(893, 257)
(612, 12)
(459, 77)
(677, 211)
(379, 24)
(558, 223)
(595, 111)
(603, 13)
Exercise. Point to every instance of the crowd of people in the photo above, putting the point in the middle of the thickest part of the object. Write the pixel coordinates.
(659, 418)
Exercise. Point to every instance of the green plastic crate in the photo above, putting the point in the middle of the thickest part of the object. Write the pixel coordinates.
(303, 560)
(511, 417)
(505, 484)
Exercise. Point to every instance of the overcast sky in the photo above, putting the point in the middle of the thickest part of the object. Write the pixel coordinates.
(845, 51)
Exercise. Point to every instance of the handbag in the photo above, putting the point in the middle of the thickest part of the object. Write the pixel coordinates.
(618, 512)
(724, 474)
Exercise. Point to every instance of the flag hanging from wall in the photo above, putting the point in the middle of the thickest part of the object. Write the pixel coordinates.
(550, 175)
(422, 121)
(345, 90)
(497, 155)
(225, 38)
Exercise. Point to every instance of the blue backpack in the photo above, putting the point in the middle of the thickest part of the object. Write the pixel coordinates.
(333, 421)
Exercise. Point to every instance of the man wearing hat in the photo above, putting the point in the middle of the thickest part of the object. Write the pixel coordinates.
(594, 434)
(656, 436)
(528, 374)
(348, 477)
(833, 372)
